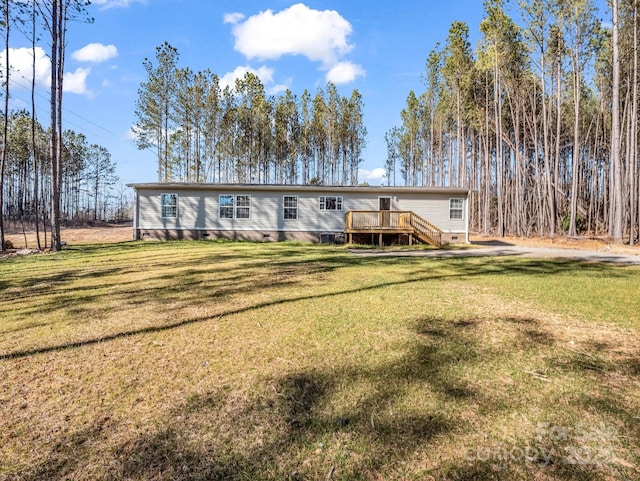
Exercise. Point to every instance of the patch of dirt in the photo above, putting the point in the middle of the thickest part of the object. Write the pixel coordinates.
(124, 233)
(598, 244)
(75, 236)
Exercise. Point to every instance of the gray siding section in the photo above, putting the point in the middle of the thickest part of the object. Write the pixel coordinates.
(435, 209)
(199, 210)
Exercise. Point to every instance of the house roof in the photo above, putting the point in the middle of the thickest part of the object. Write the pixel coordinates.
(298, 188)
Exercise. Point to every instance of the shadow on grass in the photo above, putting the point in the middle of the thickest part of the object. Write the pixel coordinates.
(207, 277)
(298, 425)
(364, 420)
(491, 243)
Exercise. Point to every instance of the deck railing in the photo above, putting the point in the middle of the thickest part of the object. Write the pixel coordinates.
(378, 219)
(396, 221)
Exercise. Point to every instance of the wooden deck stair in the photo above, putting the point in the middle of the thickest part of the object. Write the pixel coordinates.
(392, 222)
(426, 231)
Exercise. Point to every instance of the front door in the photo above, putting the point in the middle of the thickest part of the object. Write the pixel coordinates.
(385, 215)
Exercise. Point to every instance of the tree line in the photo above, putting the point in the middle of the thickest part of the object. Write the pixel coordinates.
(48, 174)
(204, 132)
(88, 176)
(541, 120)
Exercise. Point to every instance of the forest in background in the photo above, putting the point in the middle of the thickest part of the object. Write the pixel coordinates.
(90, 187)
(203, 131)
(49, 175)
(540, 120)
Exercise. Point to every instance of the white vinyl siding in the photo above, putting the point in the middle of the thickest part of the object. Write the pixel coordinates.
(432, 207)
(199, 209)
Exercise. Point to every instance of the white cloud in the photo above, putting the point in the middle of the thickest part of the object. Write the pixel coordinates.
(76, 82)
(131, 135)
(95, 52)
(107, 4)
(232, 18)
(344, 72)
(276, 89)
(20, 60)
(265, 74)
(376, 175)
(321, 36)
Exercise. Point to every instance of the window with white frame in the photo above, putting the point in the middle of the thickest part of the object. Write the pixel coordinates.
(290, 207)
(330, 202)
(234, 206)
(456, 208)
(243, 206)
(169, 205)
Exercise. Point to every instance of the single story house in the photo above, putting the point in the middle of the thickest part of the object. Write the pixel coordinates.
(312, 213)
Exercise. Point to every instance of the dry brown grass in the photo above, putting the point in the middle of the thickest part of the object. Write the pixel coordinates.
(592, 243)
(200, 361)
(119, 233)
(74, 236)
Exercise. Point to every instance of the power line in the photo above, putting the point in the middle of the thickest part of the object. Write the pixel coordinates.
(82, 128)
(16, 82)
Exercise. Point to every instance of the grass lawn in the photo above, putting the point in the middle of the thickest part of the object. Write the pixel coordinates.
(237, 361)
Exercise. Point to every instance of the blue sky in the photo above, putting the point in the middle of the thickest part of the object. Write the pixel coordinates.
(377, 47)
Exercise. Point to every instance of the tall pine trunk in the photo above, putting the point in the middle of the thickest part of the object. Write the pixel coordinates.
(34, 145)
(546, 133)
(497, 96)
(615, 229)
(55, 139)
(5, 129)
(575, 162)
(633, 163)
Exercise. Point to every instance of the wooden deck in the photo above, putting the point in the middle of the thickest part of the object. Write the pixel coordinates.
(381, 222)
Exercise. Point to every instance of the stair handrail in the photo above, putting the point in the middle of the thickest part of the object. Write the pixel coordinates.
(427, 229)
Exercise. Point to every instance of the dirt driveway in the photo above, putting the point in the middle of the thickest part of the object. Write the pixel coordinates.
(533, 248)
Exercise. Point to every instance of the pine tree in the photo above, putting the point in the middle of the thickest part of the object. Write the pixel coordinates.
(155, 107)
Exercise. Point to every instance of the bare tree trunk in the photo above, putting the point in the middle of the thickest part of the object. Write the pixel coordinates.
(34, 145)
(56, 161)
(636, 138)
(633, 161)
(556, 163)
(3, 160)
(575, 163)
(486, 222)
(499, 150)
(440, 156)
(549, 189)
(616, 226)
(459, 142)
